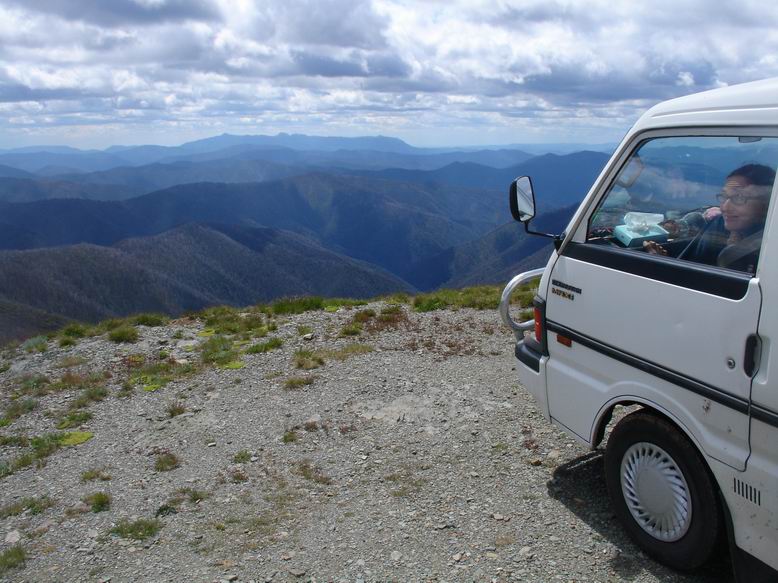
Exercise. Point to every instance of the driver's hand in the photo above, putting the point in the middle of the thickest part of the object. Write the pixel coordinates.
(654, 248)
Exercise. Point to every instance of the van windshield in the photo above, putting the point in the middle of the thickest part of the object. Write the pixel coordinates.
(702, 199)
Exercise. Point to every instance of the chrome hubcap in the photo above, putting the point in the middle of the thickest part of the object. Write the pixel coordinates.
(656, 492)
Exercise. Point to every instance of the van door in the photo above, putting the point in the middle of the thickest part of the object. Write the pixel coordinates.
(653, 300)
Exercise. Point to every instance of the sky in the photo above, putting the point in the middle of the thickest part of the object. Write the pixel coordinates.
(92, 73)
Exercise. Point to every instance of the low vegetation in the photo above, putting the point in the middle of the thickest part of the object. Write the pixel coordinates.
(137, 530)
(123, 334)
(219, 351)
(12, 558)
(307, 359)
(307, 470)
(187, 494)
(154, 376)
(293, 383)
(35, 344)
(166, 462)
(95, 474)
(29, 505)
(242, 457)
(175, 408)
(98, 502)
(267, 346)
(16, 409)
(150, 320)
(41, 447)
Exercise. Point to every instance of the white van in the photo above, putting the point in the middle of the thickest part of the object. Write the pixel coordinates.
(663, 293)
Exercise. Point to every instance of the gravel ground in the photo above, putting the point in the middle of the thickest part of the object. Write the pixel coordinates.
(422, 460)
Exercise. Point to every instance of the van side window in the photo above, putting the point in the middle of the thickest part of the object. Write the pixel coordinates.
(702, 199)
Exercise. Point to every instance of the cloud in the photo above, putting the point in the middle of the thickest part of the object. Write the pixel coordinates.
(123, 12)
(479, 68)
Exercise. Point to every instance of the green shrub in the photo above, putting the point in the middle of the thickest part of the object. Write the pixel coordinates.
(123, 334)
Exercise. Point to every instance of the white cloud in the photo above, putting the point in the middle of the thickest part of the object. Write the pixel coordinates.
(474, 70)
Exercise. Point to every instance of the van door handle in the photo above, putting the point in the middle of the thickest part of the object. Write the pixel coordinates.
(751, 356)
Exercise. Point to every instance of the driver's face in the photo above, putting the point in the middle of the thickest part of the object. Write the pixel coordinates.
(747, 216)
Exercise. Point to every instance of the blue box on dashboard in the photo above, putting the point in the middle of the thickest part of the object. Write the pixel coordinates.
(635, 238)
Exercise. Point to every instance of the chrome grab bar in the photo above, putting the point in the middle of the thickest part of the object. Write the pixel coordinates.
(517, 328)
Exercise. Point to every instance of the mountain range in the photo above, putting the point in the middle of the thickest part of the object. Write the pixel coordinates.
(243, 219)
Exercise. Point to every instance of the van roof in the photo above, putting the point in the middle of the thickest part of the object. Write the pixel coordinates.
(747, 104)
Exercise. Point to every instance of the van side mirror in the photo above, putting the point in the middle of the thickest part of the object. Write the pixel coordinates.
(522, 199)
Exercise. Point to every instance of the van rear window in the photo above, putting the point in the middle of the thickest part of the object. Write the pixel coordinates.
(702, 199)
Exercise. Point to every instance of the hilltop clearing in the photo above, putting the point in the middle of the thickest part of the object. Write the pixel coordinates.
(349, 442)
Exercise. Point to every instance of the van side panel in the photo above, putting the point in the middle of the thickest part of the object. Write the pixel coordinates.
(752, 496)
(673, 344)
(756, 496)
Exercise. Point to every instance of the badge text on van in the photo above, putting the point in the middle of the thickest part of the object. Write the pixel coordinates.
(564, 290)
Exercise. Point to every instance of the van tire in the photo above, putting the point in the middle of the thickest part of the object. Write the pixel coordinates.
(651, 440)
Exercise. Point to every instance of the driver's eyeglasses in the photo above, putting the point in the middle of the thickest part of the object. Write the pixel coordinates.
(736, 199)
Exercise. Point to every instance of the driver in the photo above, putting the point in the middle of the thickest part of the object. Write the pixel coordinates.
(733, 238)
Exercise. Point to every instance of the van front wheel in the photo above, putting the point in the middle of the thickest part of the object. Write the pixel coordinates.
(662, 492)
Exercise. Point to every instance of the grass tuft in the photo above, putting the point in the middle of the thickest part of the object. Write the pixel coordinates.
(166, 462)
(95, 474)
(307, 359)
(98, 502)
(73, 419)
(123, 334)
(36, 344)
(290, 436)
(151, 320)
(12, 558)
(307, 470)
(32, 505)
(16, 409)
(74, 438)
(262, 347)
(137, 530)
(242, 457)
(176, 408)
(293, 383)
